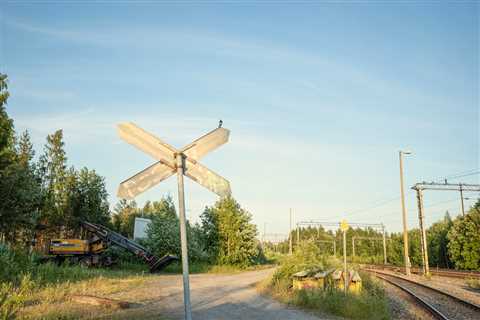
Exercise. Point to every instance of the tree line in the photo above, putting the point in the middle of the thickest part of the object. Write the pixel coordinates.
(452, 243)
(42, 198)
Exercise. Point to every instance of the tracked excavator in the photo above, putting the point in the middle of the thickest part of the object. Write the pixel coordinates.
(90, 251)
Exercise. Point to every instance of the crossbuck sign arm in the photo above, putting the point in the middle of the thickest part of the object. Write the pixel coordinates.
(166, 166)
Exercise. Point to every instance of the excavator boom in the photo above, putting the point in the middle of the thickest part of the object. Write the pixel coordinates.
(111, 237)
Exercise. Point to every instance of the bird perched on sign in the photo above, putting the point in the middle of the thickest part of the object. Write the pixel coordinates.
(220, 123)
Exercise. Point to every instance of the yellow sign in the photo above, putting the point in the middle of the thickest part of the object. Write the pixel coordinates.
(344, 225)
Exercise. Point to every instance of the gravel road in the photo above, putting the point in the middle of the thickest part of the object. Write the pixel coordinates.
(214, 296)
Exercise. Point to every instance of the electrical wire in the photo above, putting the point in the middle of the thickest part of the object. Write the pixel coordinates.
(381, 203)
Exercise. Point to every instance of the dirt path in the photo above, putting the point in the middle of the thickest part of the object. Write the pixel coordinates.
(214, 296)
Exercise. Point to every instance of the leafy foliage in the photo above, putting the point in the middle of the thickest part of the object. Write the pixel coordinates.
(438, 241)
(370, 304)
(20, 195)
(43, 198)
(464, 237)
(229, 235)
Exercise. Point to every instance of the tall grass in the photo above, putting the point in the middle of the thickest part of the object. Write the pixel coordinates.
(370, 304)
(22, 273)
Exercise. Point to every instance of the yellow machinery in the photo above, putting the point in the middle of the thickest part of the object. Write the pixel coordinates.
(90, 252)
(74, 247)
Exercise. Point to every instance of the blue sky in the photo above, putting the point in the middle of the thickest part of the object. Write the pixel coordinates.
(319, 97)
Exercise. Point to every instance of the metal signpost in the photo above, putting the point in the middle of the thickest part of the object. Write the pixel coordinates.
(170, 161)
(344, 228)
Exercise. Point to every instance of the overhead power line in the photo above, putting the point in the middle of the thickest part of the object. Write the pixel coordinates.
(381, 203)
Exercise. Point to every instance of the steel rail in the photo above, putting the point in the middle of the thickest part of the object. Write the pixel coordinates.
(430, 308)
(439, 272)
(457, 299)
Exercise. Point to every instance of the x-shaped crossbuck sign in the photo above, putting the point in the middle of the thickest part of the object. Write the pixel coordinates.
(167, 163)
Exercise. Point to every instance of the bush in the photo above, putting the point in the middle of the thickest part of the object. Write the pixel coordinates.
(12, 298)
(163, 237)
(371, 303)
(305, 257)
(364, 306)
(15, 264)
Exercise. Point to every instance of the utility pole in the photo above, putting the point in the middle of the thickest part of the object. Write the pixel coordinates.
(384, 245)
(353, 248)
(461, 197)
(345, 260)
(290, 249)
(264, 233)
(344, 227)
(404, 216)
(423, 235)
(462, 187)
(298, 235)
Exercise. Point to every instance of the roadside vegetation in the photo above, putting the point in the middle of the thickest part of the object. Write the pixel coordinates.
(473, 283)
(25, 281)
(371, 303)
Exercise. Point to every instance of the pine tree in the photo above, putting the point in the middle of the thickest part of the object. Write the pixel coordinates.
(20, 194)
(53, 164)
(25, 149)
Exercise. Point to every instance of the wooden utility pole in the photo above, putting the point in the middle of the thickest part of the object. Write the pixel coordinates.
(345, 260)
(290, 249)
(353, 248)
(419, 187)
(384, 245)
(298, 235)
(461, 198)
(423, 234)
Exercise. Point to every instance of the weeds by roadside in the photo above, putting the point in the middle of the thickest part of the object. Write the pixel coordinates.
(23, 280)
(473, 283)
(370, 304)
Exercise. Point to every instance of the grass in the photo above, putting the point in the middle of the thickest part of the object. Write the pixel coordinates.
(25, 282)
(370, 304)
(52, 300)
(473, 283)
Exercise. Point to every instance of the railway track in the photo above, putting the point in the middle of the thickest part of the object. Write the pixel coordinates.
(436, 272)
(439, 304)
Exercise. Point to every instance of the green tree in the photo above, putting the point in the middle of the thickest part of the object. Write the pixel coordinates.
(230, 235)
(86, 200)
(20, 194)
(123, 218)
(7, 134)
(438, 241)
(464, 240)
(163, 234)
(53, 169)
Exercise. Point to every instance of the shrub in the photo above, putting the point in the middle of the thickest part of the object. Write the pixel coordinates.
(305, 257)
(163, 237)
(12, 298)
(371, 303)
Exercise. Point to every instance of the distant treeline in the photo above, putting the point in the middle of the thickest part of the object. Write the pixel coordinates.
(41, 198)
(451, 243)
